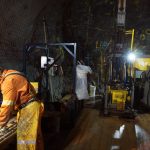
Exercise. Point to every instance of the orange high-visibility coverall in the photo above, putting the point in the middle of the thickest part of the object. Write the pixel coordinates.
(16, 90)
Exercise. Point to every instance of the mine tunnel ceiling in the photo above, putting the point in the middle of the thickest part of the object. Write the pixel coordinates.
(83, 22)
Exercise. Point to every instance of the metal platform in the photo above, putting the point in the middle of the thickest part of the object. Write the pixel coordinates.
(8, 134)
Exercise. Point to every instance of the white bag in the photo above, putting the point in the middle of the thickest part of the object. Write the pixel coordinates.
(81, 81)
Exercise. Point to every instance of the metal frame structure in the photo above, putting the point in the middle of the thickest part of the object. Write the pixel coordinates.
(28, 47)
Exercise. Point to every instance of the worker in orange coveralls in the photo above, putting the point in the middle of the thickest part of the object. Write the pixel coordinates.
(20, 95)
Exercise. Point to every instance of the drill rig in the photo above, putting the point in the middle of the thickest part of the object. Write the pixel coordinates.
(127, 84)
(119, 86)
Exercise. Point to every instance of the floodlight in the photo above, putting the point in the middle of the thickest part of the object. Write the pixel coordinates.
(131, 57)
(44, 61)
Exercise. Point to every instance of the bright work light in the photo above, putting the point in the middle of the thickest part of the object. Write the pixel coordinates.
(131, 57)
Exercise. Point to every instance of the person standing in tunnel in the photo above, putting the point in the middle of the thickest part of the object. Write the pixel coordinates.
(81, 82)
(20, 95)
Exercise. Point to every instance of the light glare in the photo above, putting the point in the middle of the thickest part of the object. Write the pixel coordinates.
(131, 57)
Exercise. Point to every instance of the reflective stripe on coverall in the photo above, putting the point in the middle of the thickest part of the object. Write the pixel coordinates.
(29, 136)
(16, 90)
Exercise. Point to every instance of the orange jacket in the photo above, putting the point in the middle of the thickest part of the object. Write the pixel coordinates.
(16, 90)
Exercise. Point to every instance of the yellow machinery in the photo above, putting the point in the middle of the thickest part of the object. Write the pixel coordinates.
(142, 63)
(119, 98)
(142, 71)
